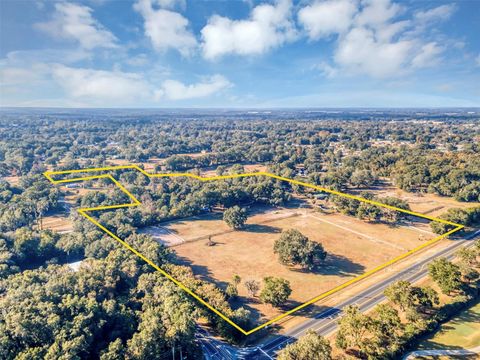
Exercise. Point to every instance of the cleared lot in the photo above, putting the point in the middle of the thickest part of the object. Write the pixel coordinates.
(431, 204)
(198, 228)
(354, 247)
(163, 235)
(58, 223)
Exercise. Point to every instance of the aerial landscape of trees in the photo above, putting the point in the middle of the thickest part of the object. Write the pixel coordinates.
(25, 204)
(114, 306)
(468, 217)
(329, 149)
(94, 311)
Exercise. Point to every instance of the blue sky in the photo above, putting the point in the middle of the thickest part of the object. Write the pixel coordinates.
(180, 53)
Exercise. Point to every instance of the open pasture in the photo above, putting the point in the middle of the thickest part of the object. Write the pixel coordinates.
(353, 247)
(428, 204)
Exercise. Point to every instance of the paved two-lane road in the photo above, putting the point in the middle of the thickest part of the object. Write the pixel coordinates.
(326, 322)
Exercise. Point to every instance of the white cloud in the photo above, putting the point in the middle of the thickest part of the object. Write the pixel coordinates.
(376, 13)
(170, 4)
(117, 87)
(138, 60)
(442, 12)
(427, 56)
(268, 26)
(388, 31)
(477, 60)
(323, 18)
(326, 69)
(176, 90)
(166, 29)
(360, 52)
(100, 85)
(50, 81)
(11, 76)
(75, 22)
(369, 38)
(27, 57)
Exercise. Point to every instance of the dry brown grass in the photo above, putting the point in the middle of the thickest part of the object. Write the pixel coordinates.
(13, 180)
(247, 167)
(57, 223)
(431, 204)
(354, 247)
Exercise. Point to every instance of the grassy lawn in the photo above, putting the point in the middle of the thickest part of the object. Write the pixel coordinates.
(463, 331)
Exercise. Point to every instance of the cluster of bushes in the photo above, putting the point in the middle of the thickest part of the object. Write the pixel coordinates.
(371, 212)
(275, 290)
(294, 248)
(467, 217)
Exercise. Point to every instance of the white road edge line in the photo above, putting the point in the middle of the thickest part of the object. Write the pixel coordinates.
(265, 353)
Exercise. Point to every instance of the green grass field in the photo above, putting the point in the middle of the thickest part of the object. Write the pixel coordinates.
(463, 331)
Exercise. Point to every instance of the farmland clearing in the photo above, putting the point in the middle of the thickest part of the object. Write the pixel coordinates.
(353, 246)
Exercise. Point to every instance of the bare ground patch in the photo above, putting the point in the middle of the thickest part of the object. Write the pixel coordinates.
(58, 223)
(163, 235)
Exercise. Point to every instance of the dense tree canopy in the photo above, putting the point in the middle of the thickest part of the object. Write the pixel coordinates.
(294, 248)
(437, 155)
(467, 217)
(446, 274)
(116, 307)
(235, 217)
(25, 204)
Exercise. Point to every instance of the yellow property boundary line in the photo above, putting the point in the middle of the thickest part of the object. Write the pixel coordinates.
(135, 202)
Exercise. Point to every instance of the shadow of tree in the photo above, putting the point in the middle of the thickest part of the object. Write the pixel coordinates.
(200, 271)
(458, 324)
(248, 303)
(335, 264)
(432, 345)
(295, 203)
(261, 228)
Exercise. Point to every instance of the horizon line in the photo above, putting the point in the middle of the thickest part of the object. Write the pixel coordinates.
(249, 108)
